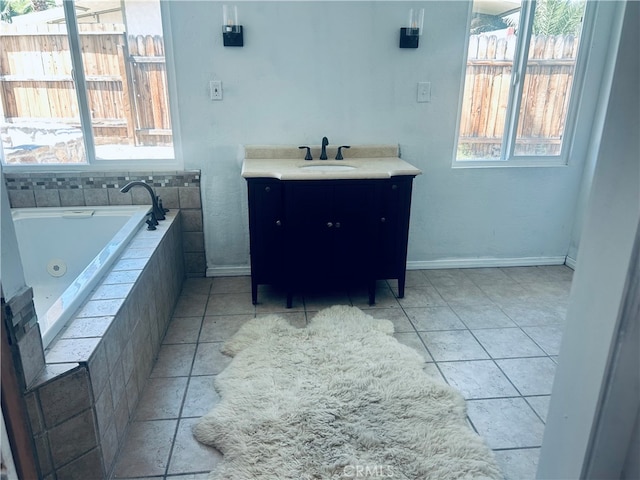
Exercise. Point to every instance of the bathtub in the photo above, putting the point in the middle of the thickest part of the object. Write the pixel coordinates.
(65, 251)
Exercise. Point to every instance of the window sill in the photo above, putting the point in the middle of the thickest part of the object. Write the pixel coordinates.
(524, 162)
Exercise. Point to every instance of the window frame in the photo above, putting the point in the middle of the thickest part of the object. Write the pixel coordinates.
(116, 165)
(508, 159)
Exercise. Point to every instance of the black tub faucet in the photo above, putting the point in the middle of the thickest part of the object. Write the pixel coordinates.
(158, 211)
(323, 154)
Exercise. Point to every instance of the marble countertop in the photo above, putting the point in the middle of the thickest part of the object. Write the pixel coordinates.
(287, 163)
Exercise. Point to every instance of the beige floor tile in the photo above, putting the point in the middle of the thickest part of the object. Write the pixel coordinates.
(220, 328)
(201, 396)
(426, 296)
(506, 422)
(146, 449)
(478, 379)
(231, 285)
(466, 294)
(482, 316)
(527, 314)
(434, 318)
(183, 330)
(453, 345)
(541, 405)
(416, 278)
(548, 337)
(209, 359)
(174, 360)
(200, 286)
(413, 340)
(507, 343)
(162, 398)
(401, 323)
(447, 277)
(230, 304)
(531, 376)
(518, 464)
(189, 455)
(190, 305)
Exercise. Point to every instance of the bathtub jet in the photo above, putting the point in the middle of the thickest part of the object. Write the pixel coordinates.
(158, 211)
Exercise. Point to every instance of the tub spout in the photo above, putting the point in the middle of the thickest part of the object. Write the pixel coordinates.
(157, 211)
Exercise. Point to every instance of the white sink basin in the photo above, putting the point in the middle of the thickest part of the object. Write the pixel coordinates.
(327, 168)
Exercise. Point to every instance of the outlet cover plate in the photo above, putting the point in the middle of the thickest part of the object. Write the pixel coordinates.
(424, 92)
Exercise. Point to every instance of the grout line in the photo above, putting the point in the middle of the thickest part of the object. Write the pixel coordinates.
(186, 389)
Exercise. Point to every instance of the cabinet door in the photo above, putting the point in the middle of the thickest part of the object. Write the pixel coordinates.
(330, 231)
(354, 230)
(309, 231)
(394, 202)
(266, 224)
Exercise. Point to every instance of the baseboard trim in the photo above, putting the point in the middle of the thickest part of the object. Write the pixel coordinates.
(241, 270)
(238, 271)
(484, 262)
(570, 262)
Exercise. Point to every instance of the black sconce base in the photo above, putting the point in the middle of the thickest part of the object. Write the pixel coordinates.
(409, 37)
(233, 38)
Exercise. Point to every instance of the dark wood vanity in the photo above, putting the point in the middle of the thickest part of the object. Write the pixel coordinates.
(334, 231)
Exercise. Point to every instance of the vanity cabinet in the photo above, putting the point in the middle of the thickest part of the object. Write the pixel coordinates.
(305, 233)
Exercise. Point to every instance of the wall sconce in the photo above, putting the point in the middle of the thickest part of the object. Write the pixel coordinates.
(231, 30)
(410, 35)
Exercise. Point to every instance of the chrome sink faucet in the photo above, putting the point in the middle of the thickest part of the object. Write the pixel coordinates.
(323, 154)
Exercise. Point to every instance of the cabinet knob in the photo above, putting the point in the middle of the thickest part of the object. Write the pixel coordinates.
(337, 224)
(383, 219)
(329, 224)
(394, 187)
(267, 189)
(278, 223)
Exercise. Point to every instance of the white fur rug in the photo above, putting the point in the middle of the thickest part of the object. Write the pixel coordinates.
(338, 399)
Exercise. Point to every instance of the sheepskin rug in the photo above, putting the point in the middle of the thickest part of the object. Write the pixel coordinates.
(338, 399)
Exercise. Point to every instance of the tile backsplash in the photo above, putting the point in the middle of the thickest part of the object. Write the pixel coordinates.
(176, 189)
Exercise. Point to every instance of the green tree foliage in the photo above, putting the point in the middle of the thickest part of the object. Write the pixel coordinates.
(482, 22)
(11, 8)
(558, 17)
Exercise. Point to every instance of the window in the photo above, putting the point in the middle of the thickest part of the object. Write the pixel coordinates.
(83, 82)
(520, 79)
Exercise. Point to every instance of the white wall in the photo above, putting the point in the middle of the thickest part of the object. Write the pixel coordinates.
(310, 69)
(593, 331)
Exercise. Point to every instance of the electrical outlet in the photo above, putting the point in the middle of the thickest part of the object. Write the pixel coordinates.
(424, 92)
(215, 89)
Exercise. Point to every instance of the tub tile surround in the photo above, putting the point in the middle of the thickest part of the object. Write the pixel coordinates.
(25, 334)
(96, 368)
(178, 190)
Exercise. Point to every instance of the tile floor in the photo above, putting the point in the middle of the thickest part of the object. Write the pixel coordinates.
(493, 333)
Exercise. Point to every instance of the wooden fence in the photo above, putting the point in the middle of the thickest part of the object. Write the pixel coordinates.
(546, 92)
(126, 81)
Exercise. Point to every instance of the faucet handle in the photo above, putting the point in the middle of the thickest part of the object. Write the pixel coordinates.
(308, 155)
(339, 154)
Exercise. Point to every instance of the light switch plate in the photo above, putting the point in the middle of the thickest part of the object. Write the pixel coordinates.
(424, 92)
(215, 89)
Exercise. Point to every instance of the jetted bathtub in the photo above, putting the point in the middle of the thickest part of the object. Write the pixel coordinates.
(65, 251)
